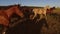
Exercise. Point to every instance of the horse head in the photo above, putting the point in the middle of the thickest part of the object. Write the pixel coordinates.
(14, 9)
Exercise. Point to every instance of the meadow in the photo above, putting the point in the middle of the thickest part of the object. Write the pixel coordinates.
(53, 22)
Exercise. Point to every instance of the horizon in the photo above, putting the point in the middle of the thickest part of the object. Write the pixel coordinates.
(39, 3)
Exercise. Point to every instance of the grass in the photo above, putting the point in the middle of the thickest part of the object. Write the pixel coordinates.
(54, 24)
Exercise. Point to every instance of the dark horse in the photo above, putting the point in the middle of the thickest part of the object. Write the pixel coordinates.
(28, 26)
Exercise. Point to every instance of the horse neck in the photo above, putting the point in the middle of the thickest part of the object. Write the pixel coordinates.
(10, 11)
(2, 13)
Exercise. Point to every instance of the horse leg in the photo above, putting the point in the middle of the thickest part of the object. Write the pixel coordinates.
(40, 17)
(34, 15)
(4, 30)
(45, 16)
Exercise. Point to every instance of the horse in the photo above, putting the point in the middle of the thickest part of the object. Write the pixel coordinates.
(50, 11)
(41, 12)
(6, 14)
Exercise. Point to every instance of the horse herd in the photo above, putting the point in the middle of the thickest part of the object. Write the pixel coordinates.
(30, 20)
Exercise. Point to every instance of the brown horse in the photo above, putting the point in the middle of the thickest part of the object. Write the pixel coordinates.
(6, 14)
(49, 11)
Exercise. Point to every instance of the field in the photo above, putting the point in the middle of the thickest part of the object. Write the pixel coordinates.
(53, 22)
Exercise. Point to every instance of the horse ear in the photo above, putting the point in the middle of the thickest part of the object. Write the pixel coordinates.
(17, 5)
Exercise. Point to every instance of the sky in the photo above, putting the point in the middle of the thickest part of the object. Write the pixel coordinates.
(31, 2)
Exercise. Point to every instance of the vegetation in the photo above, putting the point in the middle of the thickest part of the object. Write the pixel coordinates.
(54, 23)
